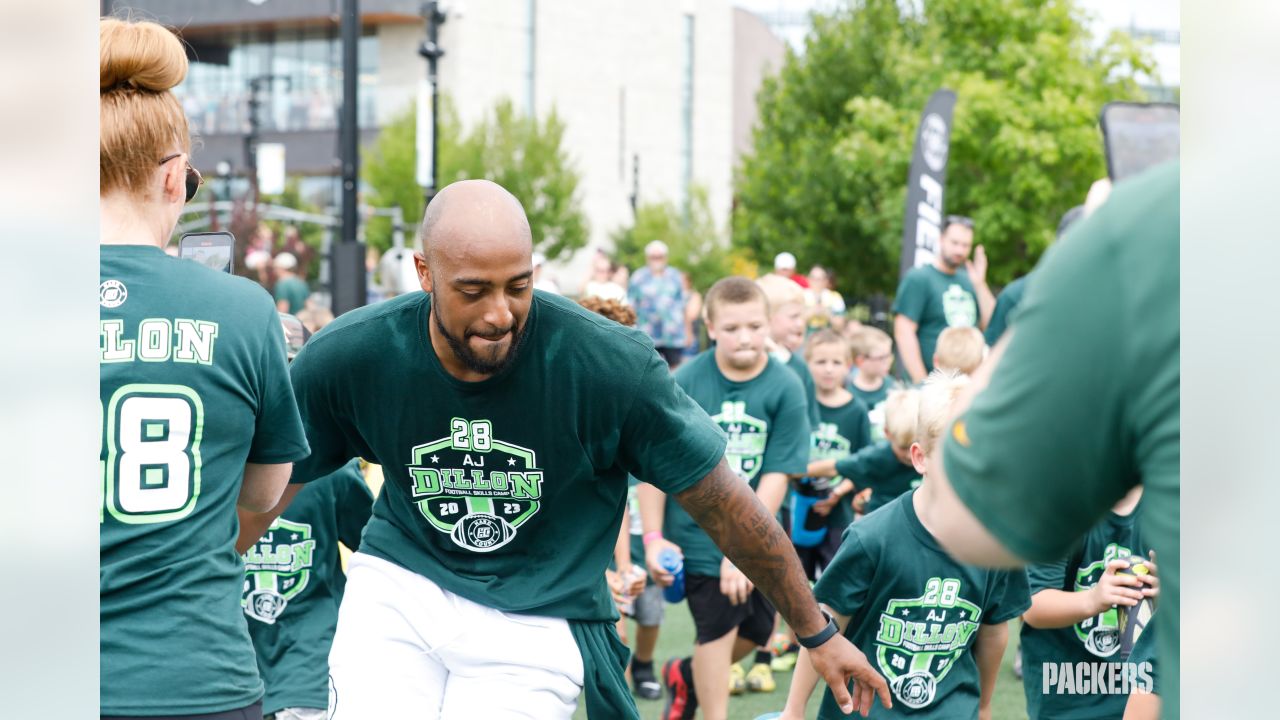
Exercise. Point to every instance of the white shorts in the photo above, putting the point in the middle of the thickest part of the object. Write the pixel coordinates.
(405, 647)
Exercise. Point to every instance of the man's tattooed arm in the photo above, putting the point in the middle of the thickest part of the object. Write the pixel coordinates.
(734, 518)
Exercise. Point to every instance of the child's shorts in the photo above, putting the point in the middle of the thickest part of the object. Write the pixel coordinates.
(714, 616)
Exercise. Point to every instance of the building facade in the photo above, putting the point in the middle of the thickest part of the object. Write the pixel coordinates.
(646, 90)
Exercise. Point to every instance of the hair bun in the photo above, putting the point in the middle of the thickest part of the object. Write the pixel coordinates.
(142, 55)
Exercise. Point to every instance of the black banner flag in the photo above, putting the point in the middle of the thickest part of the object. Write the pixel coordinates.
(921, 226)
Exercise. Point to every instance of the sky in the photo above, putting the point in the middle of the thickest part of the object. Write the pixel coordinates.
(1160, 15)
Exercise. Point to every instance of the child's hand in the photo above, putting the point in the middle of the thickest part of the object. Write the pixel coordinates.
(1152, 578)
(823, 507)
(1114, 589)
(984, 713)
(733, 583)
(634, 578)
(614, 580)
(652, 553)
(860, 501)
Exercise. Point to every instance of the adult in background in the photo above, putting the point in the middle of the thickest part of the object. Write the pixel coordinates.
(507, 421)
(657, 293)
(952, 292)
(198, 415)
(601, 283)
(823, 306)
(1081, 403)
(784, 265)
(290, 291)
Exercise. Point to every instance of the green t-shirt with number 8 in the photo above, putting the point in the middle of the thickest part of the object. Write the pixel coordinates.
(193, 383)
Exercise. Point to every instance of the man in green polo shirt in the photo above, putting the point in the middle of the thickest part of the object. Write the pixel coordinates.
(1082, 403)
(507, 422)
(952, 292)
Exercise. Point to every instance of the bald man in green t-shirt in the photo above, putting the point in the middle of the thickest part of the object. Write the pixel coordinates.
(507, 422)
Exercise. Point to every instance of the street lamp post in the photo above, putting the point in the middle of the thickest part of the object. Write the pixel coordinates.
(434, 17)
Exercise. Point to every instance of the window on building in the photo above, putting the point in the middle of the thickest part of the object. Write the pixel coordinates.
(305, 90)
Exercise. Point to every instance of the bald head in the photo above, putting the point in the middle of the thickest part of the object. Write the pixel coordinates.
(474, 215)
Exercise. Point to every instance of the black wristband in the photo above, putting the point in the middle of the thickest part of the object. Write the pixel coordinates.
(825, 634)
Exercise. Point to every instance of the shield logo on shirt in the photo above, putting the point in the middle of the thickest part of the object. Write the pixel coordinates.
(474, 488)
(277, 569)
(747, 438)
(920, 639)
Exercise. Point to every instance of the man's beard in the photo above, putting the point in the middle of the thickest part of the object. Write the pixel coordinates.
(474, 361)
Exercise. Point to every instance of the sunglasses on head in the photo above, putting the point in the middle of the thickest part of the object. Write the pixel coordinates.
(958, 220)
(194, 178)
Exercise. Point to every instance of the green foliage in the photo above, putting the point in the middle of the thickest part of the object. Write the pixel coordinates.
(826, 178)
(524, 155)
(311, 234)
(694, 245)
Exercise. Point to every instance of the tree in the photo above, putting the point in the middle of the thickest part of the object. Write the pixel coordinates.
(524, 155)
(826, 177)
(694, 244)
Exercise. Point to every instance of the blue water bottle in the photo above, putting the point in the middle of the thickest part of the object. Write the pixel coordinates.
(673, 562)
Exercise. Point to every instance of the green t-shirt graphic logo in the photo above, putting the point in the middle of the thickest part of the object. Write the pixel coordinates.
(1100, 634)
(477, 489)
(921, 638)
(747, 438)
(959, 307)
(277, 569)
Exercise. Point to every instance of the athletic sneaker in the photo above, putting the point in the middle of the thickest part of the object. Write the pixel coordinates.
(785, 662)
(737, 680)
(682, 701)
(645, 683)
(760, 679)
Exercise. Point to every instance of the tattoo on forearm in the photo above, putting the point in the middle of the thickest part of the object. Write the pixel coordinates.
(733, 517)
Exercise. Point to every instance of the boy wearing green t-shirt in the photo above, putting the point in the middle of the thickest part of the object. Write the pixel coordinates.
(292, 588)
(786, 333)
(873, 358)
(843, 430)
(1065, 628)
(934, 627)
(760, 406)
(882, 470)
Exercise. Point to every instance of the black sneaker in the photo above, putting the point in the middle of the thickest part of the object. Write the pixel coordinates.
(682, 702)
(645, 682)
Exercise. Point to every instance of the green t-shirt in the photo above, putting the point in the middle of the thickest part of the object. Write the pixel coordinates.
(874, 400)
(508, 491)
(767, 423)
(295, 291)
(1006, 303)
(1144, 652)
(801, 369)
(915, 612)
(193, 383)
(1093, 640)
(842, 430)
(936, 301)
(293, 585)
(876, 467)
(1085, 402)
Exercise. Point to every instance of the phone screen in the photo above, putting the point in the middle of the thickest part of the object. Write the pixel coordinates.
(1139, 136)
(209, 249)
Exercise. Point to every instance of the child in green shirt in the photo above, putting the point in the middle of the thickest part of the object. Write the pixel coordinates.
(884, 469)
(1080, 625)
(872, 358)
(935, 628)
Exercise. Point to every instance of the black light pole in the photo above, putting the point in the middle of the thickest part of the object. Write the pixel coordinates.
(348, 270)
(431, 50)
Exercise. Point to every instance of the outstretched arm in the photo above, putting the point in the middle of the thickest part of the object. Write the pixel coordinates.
(734, 518)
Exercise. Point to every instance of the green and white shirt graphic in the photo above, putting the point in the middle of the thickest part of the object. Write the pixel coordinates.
(920, 639)
(277, 568)
(915, 611)
(477, 489)
(747, 438)
(506, 491)
(767, 423)
(1099, 634)
(842, 430)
